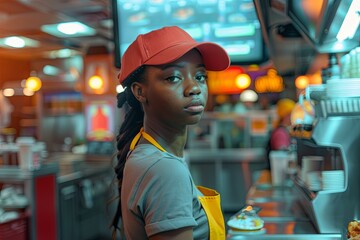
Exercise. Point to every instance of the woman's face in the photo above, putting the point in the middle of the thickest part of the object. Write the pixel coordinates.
(176, 93)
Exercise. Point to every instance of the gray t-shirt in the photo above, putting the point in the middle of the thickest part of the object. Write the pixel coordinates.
(158, 194)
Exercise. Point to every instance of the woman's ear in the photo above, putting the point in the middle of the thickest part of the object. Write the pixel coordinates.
(137, 90)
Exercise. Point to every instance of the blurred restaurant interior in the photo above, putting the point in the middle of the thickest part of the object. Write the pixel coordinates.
(59, 61)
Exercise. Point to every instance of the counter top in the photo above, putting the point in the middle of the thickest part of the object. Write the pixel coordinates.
(17, 174)
(283, 215)
(83, 171)
(77, 166)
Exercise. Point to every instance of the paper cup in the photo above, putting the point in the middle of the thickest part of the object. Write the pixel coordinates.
(278, 165)
(26, 145)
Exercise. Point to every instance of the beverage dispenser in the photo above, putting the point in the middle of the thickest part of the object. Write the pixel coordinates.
(336, 137)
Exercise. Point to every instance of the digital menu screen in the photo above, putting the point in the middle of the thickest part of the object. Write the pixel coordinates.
(233, 24)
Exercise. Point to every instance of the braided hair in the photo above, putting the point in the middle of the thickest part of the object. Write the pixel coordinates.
(131, 125)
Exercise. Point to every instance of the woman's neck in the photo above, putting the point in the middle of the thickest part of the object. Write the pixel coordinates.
(173, 140)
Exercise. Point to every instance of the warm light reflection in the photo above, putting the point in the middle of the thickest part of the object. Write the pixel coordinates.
(301, 82)
(248, 208)
(224, 82)
(253, 67)
(243, 81)
(33, 83)
(315, 78)
(96, 82)
(8, 92)
(312, 8)
(28, 92)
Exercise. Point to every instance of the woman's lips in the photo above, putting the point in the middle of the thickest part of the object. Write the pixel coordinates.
(195, 108)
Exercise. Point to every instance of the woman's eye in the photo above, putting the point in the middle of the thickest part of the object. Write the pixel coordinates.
(202, 77)
(173, 79)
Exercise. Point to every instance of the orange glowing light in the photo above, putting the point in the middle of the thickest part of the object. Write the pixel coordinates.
(243, 80)
(33, 83)
(301, 82)
(271, 82)
(224, 82)
(315, 78)
(248, 208)
(96, 82)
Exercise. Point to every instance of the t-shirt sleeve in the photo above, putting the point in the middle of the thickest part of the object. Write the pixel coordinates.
(165, 197)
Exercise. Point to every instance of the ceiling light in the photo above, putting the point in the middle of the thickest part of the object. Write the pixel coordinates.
(62, 53)
(72, 29)
(15, 42)
(351, 22)
(18, 42)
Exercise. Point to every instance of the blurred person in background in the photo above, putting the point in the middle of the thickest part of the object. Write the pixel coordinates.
(164, 73)
(280, 138)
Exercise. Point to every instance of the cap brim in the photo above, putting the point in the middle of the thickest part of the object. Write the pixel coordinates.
(214, 56)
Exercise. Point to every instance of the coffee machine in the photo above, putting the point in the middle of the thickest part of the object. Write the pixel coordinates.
(335, 135)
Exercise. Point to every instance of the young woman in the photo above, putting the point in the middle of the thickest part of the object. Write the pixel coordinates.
(164, 75)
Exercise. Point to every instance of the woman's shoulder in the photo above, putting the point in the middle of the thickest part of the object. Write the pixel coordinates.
(146, 156)
(153, 165)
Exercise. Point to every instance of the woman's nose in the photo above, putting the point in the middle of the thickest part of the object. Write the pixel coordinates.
(192, 87)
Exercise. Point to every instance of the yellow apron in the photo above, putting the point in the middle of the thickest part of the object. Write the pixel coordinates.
(211, 204)
(210, 201)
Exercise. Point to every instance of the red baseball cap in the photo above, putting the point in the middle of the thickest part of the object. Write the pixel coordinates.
(166, 45)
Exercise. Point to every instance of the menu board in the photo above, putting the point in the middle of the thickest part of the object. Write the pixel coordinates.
(233, 24)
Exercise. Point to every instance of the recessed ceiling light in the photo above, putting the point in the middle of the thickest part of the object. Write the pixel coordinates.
(68, 29)
(18, 42)
(15, 42)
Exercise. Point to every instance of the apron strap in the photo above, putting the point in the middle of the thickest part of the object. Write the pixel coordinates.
(147, 137)
(136, 139)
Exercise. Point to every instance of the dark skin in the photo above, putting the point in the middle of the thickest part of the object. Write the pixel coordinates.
(173, 96)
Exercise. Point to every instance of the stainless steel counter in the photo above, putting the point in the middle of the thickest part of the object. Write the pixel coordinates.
(282, 213)
(72, 167)
(82, 170)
